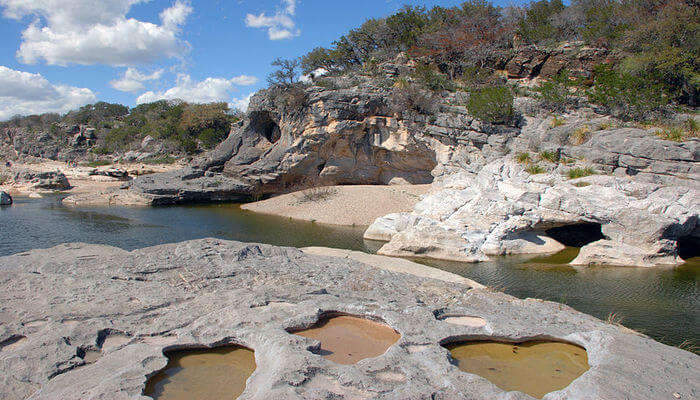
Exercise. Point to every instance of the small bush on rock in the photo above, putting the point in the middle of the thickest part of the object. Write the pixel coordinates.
(412, 98)
(576, 173)
(523, 158)
(626, 96)
(551, 156)
(580, 135)
(535, 169)
(492, 104)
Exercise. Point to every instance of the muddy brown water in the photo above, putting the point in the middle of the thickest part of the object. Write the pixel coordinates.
(347, 340)
(204, 374)
(534, 368)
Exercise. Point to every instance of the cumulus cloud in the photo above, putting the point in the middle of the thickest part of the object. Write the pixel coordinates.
(95, 32)
(25, 93)
(206, 91)
(279, 26)
(241, 103)
(132, 80)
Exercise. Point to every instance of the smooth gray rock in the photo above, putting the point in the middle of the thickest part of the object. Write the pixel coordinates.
(504, 210)
(125, 308)
(5, 199)
(51, 180)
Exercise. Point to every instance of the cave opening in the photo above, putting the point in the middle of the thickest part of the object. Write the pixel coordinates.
(576, 235)
(263, 123)
(688, 247)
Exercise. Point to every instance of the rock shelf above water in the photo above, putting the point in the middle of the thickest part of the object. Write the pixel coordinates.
(93, 322)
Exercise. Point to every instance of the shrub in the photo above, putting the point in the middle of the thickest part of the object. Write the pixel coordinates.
(187, 144)
(626, 96)
(159, 160)
(557, 122)
(211, 137)
(120, 138)
(523, 158)
(576, 173)
(555, 94)
(286, 74)
(317, 194)
(675, 134)
(492, 104)
(97, 163)
(536, 25)
(535, 169)
(289, 99)
(101, 150)
(551, 156)
(580, 135)
(412, 98)
(429, 77)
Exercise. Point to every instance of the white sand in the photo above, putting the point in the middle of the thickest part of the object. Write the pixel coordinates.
(344, 205)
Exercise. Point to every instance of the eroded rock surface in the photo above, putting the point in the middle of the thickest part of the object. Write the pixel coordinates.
(91, 322)
(504, 210)
(5, 199)
(47, 180)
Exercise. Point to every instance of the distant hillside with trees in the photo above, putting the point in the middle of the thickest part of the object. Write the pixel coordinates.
(657, 41)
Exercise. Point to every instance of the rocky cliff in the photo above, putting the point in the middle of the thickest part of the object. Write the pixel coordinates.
(348, 130)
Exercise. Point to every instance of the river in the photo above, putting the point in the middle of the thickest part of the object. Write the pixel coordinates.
(662, 303)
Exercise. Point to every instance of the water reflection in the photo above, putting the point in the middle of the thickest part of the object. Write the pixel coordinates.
(662, 303)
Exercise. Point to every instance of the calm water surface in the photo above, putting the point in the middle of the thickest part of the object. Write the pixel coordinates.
(662, 303)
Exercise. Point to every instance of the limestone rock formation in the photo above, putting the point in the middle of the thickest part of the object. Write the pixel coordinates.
(5, 199)
(49, 180)
(503, 210)
(104, 316)
(574, 57)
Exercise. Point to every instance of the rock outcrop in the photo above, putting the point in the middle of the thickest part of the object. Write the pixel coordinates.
(104, 316)
(46, 180)
(504, 210)
(574, 57)
(5, 199)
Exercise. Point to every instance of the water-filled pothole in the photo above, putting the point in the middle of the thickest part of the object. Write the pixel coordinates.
(535, 368)
(219, 373)
(347, 340)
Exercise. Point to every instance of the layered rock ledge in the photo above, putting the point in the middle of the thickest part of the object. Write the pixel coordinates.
(91, 322)
(503, 209)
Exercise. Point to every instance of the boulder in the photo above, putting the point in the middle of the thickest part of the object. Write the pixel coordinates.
(5, 199)
(105, 316)
(504, 210)
(49, 180)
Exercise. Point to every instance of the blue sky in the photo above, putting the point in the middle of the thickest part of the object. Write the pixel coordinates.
(56, 55)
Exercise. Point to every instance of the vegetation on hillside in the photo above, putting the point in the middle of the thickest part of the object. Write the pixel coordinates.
(464, 46)
(183, 127)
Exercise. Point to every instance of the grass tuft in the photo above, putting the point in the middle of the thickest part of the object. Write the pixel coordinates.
(317, 194)
(535, 169)
(580, 135)
(576, 173)
(551, 156)
(523, 158)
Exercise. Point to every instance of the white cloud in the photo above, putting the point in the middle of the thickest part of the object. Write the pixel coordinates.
(280, 25)
(25, 93)
(206, 91)
(241, 103)
(132, 80)
(95, 32)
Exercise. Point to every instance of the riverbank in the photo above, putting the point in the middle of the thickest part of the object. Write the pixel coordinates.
(208, 293)
(87, 185)
(342, 205)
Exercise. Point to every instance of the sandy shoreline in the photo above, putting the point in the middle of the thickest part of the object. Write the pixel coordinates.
(342, 205)
(83, 184)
